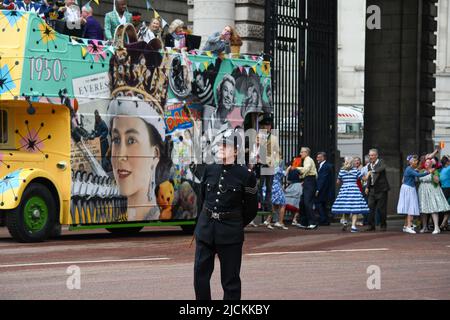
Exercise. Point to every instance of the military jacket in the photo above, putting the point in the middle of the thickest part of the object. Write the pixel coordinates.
(225, 189)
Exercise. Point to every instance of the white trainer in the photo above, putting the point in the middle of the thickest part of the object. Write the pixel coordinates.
(280, 226)
(410, 230)
(436, 231)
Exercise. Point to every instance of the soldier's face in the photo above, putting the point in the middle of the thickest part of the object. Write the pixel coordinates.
(226, 153)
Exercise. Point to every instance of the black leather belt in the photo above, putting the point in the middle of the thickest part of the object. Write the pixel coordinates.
(222, 215)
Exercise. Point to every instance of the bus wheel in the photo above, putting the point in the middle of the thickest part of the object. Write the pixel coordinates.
(34, 218)
(188, 228)
(124, 231)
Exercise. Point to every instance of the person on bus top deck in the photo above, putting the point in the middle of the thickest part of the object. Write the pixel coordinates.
(229, 204)
(115, 18)
(220, 42)
(139, 154)
(176, 37)
(149, 32)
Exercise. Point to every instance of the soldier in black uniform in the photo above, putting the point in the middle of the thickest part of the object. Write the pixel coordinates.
(229, 204)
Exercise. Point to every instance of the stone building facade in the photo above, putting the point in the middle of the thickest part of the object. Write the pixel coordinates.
(442, 118)
(209, 16)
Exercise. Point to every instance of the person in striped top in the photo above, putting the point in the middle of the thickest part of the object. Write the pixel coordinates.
(350, 200)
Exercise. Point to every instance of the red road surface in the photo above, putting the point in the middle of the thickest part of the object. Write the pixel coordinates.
(293, 264)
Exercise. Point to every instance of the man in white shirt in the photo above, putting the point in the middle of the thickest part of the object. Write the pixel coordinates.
(308, 173)
(72, 17)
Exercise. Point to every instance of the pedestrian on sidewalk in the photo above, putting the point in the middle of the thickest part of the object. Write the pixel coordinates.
(278, 198)
(431, 198)
(445, 184)
(308, 172)
(229, 204)
(350, 200)
(377, 190)
(324, 188)
(357, 164)
(408, 201)
(294, 190)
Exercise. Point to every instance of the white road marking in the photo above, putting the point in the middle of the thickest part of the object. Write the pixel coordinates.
(323, 251)
(80, 262)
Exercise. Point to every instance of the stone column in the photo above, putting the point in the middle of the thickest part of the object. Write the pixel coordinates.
(399, 83)
(210, 16)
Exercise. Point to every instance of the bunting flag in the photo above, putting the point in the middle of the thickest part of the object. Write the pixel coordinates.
(254, 68)
(97, 2)
(83, 52)
(197, 66)
(209, 54)
(241, 69)
(156, 15)
(164, 23)
(247, 70)
(266, 67)
(206, 64)
(147, 2)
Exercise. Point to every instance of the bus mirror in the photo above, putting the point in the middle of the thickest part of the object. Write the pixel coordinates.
(62, 165)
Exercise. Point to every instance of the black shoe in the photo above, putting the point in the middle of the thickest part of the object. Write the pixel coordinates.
(383, 228)
(324, 224)
(370, 229)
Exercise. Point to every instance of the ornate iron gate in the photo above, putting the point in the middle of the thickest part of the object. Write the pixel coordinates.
(301, 40)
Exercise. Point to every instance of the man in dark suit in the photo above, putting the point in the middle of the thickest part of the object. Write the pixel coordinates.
(324, 187)
(229, 204)
(377, 190)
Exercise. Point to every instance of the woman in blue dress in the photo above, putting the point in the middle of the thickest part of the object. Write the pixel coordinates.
(278, 197)
(408, 201)
(350, 199)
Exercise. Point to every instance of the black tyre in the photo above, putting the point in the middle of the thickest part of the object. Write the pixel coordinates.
(188, 228)
(57, 231)
(125, 231)
(35, 217)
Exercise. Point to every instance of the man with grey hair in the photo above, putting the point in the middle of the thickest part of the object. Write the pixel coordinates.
(377, 190)
(308, 174)
(91, 27)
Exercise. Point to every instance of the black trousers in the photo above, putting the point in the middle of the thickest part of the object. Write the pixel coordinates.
(378, 201)
(307, 198)
(230, 257)
(266, 201)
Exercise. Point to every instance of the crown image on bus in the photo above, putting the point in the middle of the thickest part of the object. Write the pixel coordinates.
(94, 135)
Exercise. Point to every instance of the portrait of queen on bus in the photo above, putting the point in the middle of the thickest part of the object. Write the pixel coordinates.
(139, 156)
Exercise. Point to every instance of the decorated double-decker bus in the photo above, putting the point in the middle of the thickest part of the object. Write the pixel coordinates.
(94, 135)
